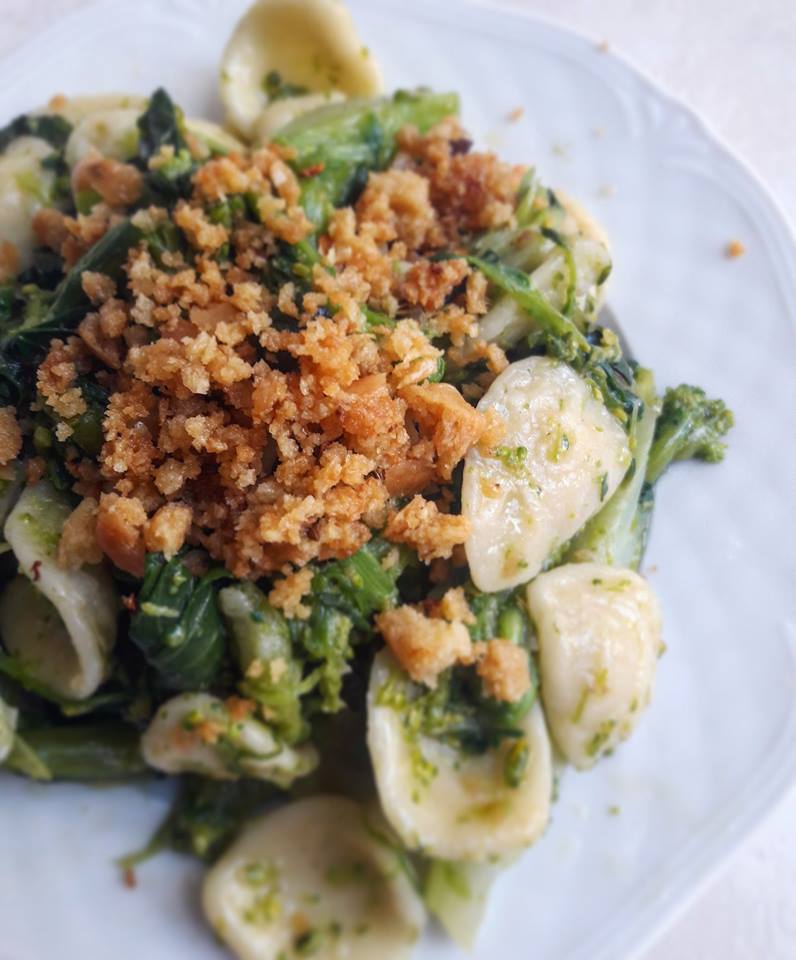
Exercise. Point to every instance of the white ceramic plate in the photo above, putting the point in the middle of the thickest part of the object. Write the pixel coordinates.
(718, 746)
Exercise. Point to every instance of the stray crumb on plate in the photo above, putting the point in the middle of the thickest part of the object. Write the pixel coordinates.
(516, 114)
(607, 190)
(561, 149)
(129, 878)
(734, 249)
(602, 47)
(614, 810)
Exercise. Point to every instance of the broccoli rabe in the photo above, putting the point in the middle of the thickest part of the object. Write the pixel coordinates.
(261, 644)
(690, 426)
(177, 625)
(617, 534)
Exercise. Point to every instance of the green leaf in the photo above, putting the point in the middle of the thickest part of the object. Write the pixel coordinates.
(160, 125)
(177, 625)
(50, 127)
(107, 256)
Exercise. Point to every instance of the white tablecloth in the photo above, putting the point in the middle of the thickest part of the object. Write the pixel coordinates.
(735, 62)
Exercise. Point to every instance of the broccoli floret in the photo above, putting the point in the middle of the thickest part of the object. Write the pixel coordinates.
(690, 426)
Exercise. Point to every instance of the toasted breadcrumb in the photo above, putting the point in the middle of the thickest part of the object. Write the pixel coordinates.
(119, 184)
(78, 544)
(734, 249)
(288, 593)
(167, 528)
(10, 262)
(275, 427)
(120, 531)
(505, 670)
(424, 647)
(454, 606)
(421, 526)
(10, 435)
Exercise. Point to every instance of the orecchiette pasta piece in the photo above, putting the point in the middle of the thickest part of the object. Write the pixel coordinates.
(8, 726)
(315, 878)
(60, 624)
(24, 187)
(448, 804)
(280, 113)
(112, 132)
(199, 733)
(561, 458)
(75, 109)
(599, 634)
(312, 44)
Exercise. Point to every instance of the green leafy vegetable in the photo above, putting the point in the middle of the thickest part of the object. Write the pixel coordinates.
(342, 142)
(50, 127)
(177, 625)
(160, 125)
(106, 751)
(262, 646)
(204, 817)
(71, 304)
(690, 426)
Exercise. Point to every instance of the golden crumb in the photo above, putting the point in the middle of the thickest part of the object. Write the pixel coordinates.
(423, 647)
(120, 532)
(288, 592)
(734, 249)
(78, 544)
(505, 670)
(421, 526)
(454, 606)
(119, 184)
(516, 114)
(10, 435)
(9, 261)
(166, 530)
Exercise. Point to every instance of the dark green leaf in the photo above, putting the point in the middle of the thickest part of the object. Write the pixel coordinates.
(177, 625)
(50, 127)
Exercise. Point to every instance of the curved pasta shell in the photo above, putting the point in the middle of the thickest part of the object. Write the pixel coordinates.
(75, 109)
(316, 877)
(62, 623)
(310, 43)
(466, 810)
(24, 187)
(564, 454)
(599, 634)
(194, 733)
(112, 132)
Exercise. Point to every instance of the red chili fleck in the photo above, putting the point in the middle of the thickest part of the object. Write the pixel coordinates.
(312, 171)
(129, 878)
(129, 602)
(35, 569)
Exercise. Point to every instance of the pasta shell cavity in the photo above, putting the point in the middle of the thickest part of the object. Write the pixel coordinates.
(562, 456)
(599, 635)
(199, 733)
(316, 877)
(448, 804)
(60, 624)
(311, 45)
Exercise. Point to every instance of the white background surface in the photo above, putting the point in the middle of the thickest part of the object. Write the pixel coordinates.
(734, 62)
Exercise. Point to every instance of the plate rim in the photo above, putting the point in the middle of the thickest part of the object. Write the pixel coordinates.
(651, 919)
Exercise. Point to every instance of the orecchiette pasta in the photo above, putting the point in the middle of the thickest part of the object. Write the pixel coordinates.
(599, 634)
(319, 876)
(561, 458)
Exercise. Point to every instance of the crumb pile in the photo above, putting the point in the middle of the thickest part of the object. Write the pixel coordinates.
(278, 424)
